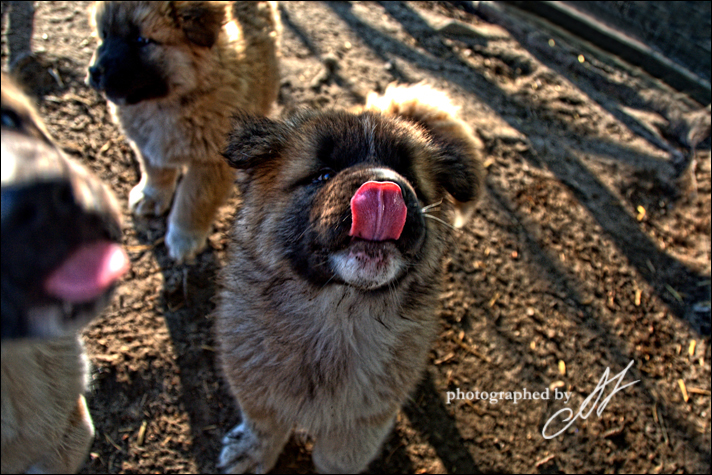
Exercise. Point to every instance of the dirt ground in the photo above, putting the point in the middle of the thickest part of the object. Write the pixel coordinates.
(585, 254)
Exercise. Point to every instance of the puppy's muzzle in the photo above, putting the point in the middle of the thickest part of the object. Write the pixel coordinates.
(60, 238)
(378, 212)
(95, 76)
(383, 207)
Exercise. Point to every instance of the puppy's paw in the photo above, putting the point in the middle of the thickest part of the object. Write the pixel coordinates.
(146, 200)
(242, 451)
(184, 245)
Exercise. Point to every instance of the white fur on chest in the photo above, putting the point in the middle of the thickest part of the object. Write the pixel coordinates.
(154, 130)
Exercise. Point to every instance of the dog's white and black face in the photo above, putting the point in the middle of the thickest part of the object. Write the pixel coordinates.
(345, 198)
(60, 231)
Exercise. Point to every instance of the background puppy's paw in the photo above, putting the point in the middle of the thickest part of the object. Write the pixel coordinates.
(184, 245)
(145, 200)
(242, 451)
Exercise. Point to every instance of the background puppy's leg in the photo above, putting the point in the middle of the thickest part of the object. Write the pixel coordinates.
(204, 188)
(152, 196)
(253, 445)
(350, 450)
(73, 446)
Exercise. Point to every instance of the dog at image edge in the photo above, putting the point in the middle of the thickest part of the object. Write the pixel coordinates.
(174, 73)
(60, 260)
(327, 308)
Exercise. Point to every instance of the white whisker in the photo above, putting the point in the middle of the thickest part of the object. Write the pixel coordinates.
(429, 207)
(441, 221)
(325, 283)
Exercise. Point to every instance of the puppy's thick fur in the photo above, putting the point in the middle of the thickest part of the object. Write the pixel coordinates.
(174, 73)
(317, 325)
(60, 259)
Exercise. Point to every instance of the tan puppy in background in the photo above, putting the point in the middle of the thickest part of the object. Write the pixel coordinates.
(174, 73)
(60, 260)
(328, 305)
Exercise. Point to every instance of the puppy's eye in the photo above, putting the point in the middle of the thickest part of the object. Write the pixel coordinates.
(325, 175)
(10, 119)
(143, 41)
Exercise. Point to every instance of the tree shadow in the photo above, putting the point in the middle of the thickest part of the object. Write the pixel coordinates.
(332, 73)
(681, 123)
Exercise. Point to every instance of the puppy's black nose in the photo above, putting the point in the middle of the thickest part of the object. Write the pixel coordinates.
(32, 207)
(95, 74)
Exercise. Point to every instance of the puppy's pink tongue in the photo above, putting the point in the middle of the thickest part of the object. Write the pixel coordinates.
(88, 272)
(378, 211)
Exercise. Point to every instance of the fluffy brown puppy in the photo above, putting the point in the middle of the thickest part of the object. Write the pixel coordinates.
(327, 307)
(60, 260)
(174, 73)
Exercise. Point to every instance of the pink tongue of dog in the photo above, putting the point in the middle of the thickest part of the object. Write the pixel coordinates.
(88, 272)
(378, 211)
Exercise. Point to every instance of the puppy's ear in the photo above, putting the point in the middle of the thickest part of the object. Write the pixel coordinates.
(18, 113)
(200, 21)
(457, 164)
(459, 170)
(253, 141)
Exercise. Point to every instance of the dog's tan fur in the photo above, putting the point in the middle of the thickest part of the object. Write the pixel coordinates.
(216, 58)
(46, 427)
(333, 358)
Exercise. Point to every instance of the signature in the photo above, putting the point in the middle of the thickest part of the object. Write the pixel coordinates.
(597, 393)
